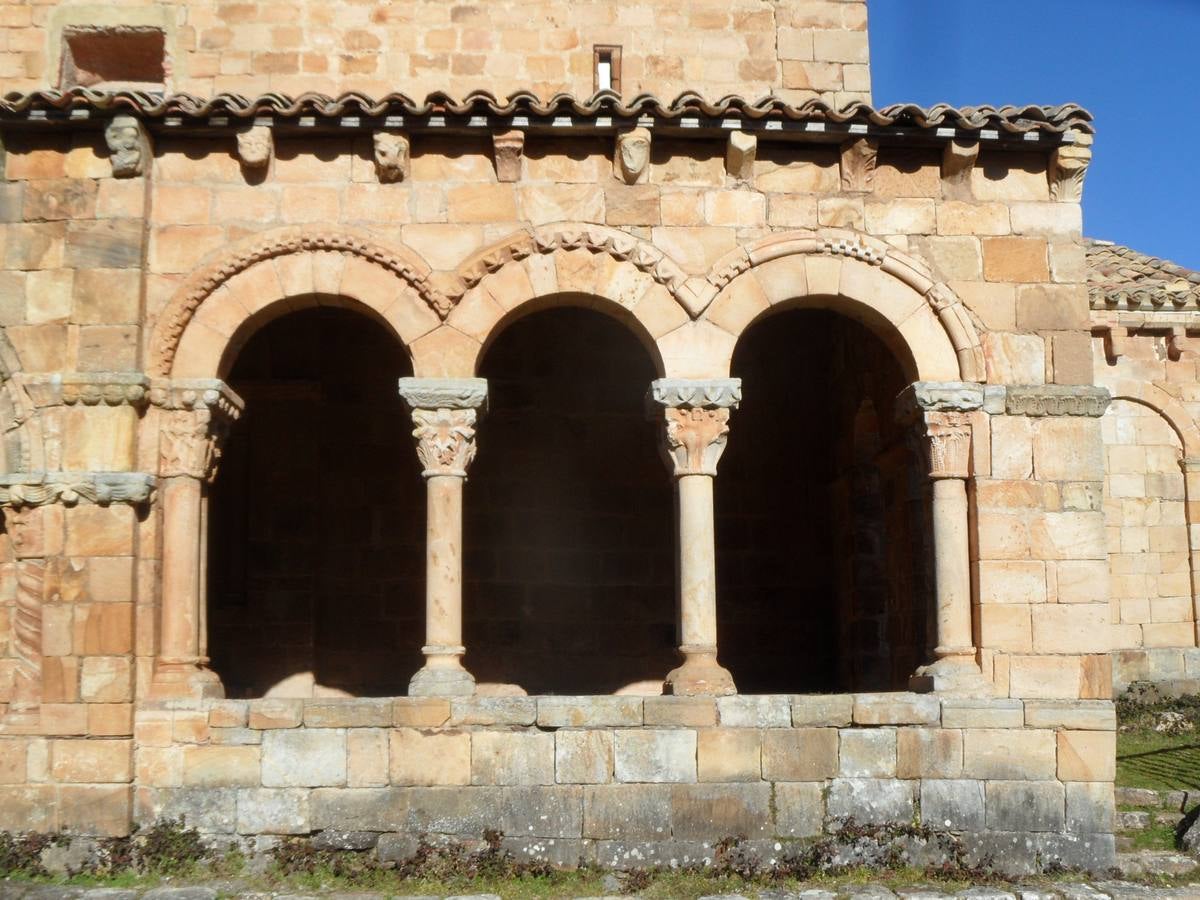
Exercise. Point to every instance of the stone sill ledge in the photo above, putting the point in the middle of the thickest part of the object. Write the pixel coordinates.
(741, 711)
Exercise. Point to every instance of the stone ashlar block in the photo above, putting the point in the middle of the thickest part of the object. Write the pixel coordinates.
(430, 757)
(221, 766)
(871, 800)
(512, 757)
(750, 711)
(1087, 755)
(304, 757)
(228, 714)
(493, 711)
(583, 756)
(729, 754)
(896, 709)
(1009, 753)
(867, 753)
(822, 710)
(627, 812)
(91, 761)
(366, 757)
(581, 712)
(276, 713)
(103, 810)
(799, 808)
(654, 755)
(1090, 807)
(697, 712)
(209, 810)
(541, 811)
(700, 811)
(1079, 715)
(970, 712)
(460, 811)
(1025, 806)
(359, 809)
(799, 754)
(1086, 852)
(273, 811)
(953, 804)
(365, 712)
(420, 712)
(929, 753)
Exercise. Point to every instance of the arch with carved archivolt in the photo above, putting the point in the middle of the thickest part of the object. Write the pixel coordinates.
(1176, 415)
(895, 294)
(281, 270)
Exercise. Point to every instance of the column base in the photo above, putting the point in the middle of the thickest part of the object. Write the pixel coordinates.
(953, 676)
(699, 676)
(442, 682)
(186, 679)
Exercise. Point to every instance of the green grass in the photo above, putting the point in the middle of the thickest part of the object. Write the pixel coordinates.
(1146, 759)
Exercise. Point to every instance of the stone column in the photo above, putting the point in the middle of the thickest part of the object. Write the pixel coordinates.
(195, 418)
(1191, 494)
(444, 411)
(696, 426)
(26, 527)
(943, 414)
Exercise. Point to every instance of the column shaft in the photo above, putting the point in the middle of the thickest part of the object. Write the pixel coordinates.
(697, 599)
(443, 548)
(952, 570)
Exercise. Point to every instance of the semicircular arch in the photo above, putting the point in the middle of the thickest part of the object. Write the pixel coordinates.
(283, 269)
(1172, 410)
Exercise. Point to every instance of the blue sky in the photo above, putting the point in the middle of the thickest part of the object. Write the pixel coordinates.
(1134, 63)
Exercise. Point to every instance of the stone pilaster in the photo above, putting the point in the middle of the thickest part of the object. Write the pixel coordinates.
(444, 413)
(695, 429)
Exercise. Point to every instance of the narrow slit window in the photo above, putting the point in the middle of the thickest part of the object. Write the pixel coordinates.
(607, 67)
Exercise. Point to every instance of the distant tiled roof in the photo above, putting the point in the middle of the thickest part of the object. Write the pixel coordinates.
(1121, 278)
(1014, 120)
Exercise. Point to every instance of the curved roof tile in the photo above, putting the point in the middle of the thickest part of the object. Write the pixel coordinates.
(1122, 278)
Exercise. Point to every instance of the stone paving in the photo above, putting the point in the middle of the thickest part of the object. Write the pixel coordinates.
(1098, 890)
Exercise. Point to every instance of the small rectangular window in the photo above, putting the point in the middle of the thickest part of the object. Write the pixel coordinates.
(114, 58)
(606, 64)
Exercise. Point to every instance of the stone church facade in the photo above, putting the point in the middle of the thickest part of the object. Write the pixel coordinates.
(335, 425)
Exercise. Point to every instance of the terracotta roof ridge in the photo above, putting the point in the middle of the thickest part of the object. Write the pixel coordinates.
(1012, 119)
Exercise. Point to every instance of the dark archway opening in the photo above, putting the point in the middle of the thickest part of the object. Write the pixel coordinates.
(316, 520)
(823, 576)
(569, 559)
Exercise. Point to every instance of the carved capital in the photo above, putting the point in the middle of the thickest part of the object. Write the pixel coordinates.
(1056, 400)
(28, 490)
(712, 393)
(129, 145)
(946, 444)
(445, 440)
(507, 149)
(631, 158)
(1068, 166)
(858, 164)
(197, 415)
(256, 146)
(740, 151)
(391, 156)
(694, 439)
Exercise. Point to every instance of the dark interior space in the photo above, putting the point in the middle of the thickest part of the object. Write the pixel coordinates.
(316, 520)
(820, 514)
(569, 548)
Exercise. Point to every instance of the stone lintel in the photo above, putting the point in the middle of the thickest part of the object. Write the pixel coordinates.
(1056, 400)
(20, 489)
(88, 389)
(690, 393)
(938, 396)
(444, 393)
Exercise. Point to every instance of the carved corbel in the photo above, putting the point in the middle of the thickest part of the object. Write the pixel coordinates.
(507, 149)
(958, 161)
(1178, 343)
(1068, 166)
(129, 146)
(196, 418)
(858, 160)
(256, 146)
(391, 156)
(631, 157)
(740, 152)
(1116, 341)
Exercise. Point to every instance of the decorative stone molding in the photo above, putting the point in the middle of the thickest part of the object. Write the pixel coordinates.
(392, 154)
(445, 440)
(695, 438)
(89, 389)
(631, 158)
(169, 330)
(444, 393)
(1056, 400)
(1068, 166)
(507, 150)
(23, 490)
(938, 396)
(858, 160)
(740, 152)
(197, 415)
(686, 393)
(947, 444)
(129, 145)
(958, 161)
(256, 146)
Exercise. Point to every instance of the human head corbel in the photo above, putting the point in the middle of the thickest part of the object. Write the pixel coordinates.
(129, 146)
(631, 161)
(256, 145)
(392, 154)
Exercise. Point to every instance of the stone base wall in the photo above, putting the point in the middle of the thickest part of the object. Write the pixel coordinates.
(623, 781)
(1173, 671)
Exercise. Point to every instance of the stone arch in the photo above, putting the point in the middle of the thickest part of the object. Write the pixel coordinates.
(284, 269)
(1174, 412)
(923, 321)
(562, 264)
